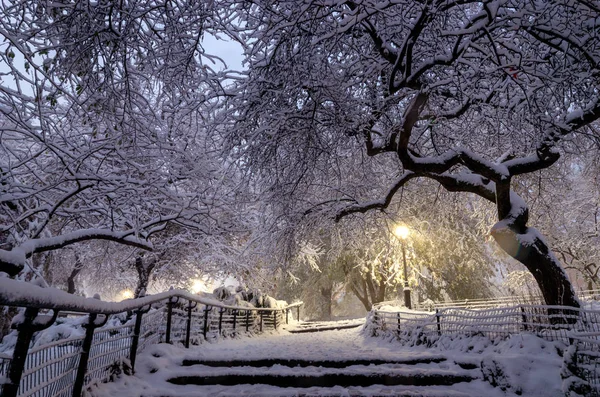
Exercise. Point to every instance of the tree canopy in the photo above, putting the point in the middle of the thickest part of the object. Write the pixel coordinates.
(116, 121)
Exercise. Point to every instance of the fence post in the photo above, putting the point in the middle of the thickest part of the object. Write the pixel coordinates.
(84, 357)
(136, 336)
(275, 319)
(25, 328)
(261, 320)
(234, 312)
(398, 316)
(221, 310)
(298, 313)
(170, 304)
(287, 311)
(524, 318)
(188, 326)
(247, 320)
(205, 325)
(438, 320)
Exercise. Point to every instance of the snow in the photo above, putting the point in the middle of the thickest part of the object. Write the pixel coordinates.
(16, 293)
(522, 365)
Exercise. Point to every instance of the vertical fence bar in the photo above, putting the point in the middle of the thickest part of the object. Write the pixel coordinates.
(275, 319)
(188, 326)
(247, 320)
(287, 312)
(524, 318)
(85, 355)
(170, 304)
(205, 325)
(298, 312)
(439, 321)
(261, 320)
(17, 364)
(221, 311)
(398, 318)
(234, 312)
(135, 340)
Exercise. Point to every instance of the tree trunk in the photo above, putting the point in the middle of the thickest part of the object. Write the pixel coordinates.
(71, 279)
(326, 294)
(527, 245)
(144, 271)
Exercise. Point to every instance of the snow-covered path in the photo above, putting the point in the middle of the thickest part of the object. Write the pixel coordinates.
(536, 375)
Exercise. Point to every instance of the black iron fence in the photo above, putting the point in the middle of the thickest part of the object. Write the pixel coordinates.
(65, 367)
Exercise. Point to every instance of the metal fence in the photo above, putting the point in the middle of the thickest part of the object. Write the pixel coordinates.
(66, 367)
(578, 328)
(504, 301)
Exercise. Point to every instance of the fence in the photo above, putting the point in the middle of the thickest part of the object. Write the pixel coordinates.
(593, 294)
(65, 367)
(579, 328)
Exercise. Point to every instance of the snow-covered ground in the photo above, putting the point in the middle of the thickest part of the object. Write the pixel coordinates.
(521, 365)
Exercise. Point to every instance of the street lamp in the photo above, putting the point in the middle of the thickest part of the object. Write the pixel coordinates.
(402, 233)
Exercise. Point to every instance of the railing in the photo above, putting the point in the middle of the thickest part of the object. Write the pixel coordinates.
(65, 367)
(593, 294)
(578, 328)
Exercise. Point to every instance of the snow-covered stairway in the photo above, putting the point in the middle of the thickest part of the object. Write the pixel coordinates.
(328, 363)
(301, 374)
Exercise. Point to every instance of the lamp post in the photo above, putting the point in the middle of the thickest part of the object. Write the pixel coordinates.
(402, 233)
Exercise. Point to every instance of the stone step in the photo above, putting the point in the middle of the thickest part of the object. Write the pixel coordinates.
(361, 378)
(382, 391)
(319, 328)
(269, 362)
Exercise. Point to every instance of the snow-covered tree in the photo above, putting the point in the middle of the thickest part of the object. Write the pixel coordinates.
(103, 126)
(471, 94)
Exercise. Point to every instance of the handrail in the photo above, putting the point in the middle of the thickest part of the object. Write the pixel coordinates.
(74, 355)
(18, 293)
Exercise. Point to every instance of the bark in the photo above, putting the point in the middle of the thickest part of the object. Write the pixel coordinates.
(326, 293)
(144, 271)
(529, 248)
(76, 270)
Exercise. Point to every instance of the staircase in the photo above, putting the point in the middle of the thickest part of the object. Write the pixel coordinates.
(293, 377)
(329, 363)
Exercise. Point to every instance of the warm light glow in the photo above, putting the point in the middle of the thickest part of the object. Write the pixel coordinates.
(197, 286)
(402, 232)
(126, 294)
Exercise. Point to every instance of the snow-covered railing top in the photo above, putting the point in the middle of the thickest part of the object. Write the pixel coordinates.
(18, 293)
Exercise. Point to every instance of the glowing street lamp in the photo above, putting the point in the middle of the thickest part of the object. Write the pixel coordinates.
(402, 232)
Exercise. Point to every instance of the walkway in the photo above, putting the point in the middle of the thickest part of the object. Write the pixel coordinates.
(227, 367)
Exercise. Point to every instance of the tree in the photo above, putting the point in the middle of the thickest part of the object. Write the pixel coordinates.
(472, 95)
(100, 136)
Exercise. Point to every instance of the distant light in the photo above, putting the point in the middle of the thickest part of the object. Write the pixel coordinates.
(126, 294)
(197, 286)
(402, 232)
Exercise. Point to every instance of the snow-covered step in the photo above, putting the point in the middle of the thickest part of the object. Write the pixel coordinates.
(317, 326)
(328, 373)
(461, 390)
(291, 362)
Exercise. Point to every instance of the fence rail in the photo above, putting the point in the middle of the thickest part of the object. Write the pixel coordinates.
(504, 301)
(65, 367)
